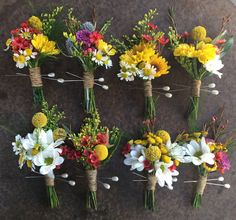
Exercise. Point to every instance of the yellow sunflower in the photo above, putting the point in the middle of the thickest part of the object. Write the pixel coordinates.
(143, 52)
(160, 64)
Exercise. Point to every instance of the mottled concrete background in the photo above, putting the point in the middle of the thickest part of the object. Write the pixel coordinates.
(121, 106)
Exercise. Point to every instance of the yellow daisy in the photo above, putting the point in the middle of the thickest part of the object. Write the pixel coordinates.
(160, 64)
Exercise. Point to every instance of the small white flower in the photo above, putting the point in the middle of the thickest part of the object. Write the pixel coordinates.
(164, 174)
(148, 72)
(98, 57)
(107, 62)
(213, 66)
(176, 151)
(135, 158)
(127, 76)
(198, 153)
(20, 60)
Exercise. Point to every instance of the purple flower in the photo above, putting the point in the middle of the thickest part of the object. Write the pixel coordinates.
(84, 37)
(223, 162)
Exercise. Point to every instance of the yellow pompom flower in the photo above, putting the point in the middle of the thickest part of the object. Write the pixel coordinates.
(138, 141)
(59, 133)
(39, 120)
(153, 153)
(36, 23)
(158, 140)
(101, 151)
(151, 140)
(165, 158)
(44, 46)
(184, 50)
(199, 33)
(131, 142)
(160, 64)
(164, 135)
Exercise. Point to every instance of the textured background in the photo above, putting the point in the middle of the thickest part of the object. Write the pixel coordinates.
(121, 106)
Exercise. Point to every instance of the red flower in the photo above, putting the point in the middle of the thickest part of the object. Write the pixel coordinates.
(163, 40)
(95, 37)
(220, 41)
(172, 168)
(85, 141)
(184, 35)
(24, 24)
(147, 37)
(93, 160)
(58, 167)
(20, 43)
(152, 26)
(15, 31)
(126, 149)
(102, 138)
(147, 165)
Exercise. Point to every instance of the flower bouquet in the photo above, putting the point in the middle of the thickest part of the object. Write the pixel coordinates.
(30, 46)
(87, 44)
(208, 154)
(158, 157)
(40, 150)
(141, 57)
(201, 57)
(92, 148)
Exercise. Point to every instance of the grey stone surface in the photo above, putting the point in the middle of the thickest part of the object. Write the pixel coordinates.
(121, 106)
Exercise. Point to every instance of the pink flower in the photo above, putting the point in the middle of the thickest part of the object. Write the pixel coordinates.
(222, 161)
(146, 37)
(152, 26)
(163, 40)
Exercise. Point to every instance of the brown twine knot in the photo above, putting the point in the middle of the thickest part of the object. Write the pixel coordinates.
(35, 77)
(201, 184)
(196, 87)
(92, 180)
(152, 181)
(148, 88)
(88, 80)
(49, 181)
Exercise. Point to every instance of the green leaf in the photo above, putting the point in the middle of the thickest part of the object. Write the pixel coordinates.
(105, 26)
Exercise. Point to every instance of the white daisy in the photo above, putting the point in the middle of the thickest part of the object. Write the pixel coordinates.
(176, 151)
(198, 153)
(20, 60)
(148, 72)
(127, 76)
(135, 158)
(98, 57)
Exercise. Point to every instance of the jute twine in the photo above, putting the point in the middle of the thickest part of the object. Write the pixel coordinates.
(88, 80)
(148, 88)
(201, 184)
(35, 77)
(49, 181)
(196, 87)
(92, 180)
(152, 182)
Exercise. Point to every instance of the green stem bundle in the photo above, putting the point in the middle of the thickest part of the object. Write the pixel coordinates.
(197, 202)
(91, 198)
(149, 196)
(37, 85)
(89, 98)
(150, 108)
(51, 191)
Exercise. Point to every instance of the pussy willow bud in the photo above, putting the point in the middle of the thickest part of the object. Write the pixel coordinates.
(105, 87)
(215, 92)
(211, 85)
(51, 75)
(115, 178)
(72, 183)
(168, 95)
(101, 80)
(166, 88)
(60, 80)
(106, 186)
(64, 175)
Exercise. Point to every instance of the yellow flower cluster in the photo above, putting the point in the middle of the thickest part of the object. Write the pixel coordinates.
(39, 120)
(44, 46)
(156, 148)
(214, 147)
(210, 168)
(203, 50)
(36, 23)
(185, 137)
(59, 133)
(144, 58)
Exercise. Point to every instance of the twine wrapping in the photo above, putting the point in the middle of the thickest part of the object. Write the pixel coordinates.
(148, 88)
(201, 184)
(196, 88)
(49, 180)
(152, 181)
(88, 80)
(92, 180)
(35, 77)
